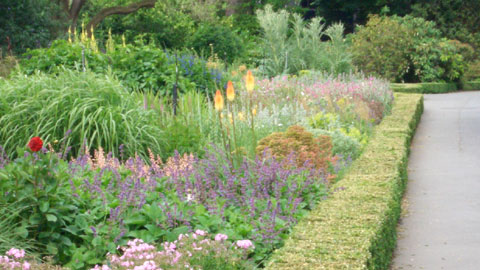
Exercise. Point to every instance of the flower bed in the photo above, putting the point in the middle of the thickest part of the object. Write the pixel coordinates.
(242, 185)
(356, 227)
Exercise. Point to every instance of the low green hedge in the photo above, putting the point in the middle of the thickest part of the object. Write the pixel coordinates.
(469, 86)
(424, 88)
(356, 227)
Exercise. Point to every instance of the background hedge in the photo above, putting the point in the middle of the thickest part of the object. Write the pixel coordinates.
(468, 86)
(356, 227)
(424, 88)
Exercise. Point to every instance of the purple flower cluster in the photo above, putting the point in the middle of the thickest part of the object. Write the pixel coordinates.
(265, 192)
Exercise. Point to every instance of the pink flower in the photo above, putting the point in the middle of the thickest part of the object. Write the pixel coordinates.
(200, 232)
(245, 244)
(26, 266)
(16, 253)
(221, 237)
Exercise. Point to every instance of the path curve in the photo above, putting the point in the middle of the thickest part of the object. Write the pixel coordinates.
(441, 229)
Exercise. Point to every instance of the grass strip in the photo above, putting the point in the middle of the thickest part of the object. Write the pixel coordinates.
(356, 227)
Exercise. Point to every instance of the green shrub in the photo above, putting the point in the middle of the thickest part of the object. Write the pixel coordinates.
(29, 24)
(216, 39)
(473, 71)
(142, 67)
(468, 86)
(46, 212)
(408, 49)
(292, 49)
(97, 110)
(381, 47)
(7, 65)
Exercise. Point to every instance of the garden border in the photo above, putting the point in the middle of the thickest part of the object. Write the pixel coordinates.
(355, 228)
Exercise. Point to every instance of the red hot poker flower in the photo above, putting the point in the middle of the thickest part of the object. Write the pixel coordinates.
(35, 144)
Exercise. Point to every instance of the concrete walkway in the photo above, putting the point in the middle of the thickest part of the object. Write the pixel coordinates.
(441, 229)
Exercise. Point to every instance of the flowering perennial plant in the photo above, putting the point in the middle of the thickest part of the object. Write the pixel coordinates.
(14, 259)
(188, 251)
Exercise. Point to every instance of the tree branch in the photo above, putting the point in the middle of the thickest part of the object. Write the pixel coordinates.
(118, 10)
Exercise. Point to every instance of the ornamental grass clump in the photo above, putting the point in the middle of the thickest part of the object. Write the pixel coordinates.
(96, 109)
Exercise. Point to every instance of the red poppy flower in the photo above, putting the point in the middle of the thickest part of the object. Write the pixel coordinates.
(35, 144)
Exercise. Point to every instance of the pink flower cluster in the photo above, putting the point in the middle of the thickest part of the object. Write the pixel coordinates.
(138, 255)
(14, 260)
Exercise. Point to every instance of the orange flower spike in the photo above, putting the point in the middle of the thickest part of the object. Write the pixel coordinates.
(230, 91)
(249, 82)
(218, 101)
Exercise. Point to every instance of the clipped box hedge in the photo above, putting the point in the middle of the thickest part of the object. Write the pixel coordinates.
(355, 228)
(424, 88)
(469, 86)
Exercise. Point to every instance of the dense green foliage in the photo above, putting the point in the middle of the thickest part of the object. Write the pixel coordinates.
(28, 24)
(381, 47)
(299, 46)
(139, 67)
(408, 49)
(456, 19)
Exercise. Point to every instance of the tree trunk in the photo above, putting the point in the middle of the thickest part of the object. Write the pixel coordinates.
(117, 10)
(75, 11)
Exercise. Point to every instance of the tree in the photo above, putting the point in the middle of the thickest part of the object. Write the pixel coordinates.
(28, 24)
(457, 19)
(73, 8)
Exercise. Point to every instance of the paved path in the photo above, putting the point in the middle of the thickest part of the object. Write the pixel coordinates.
(442, 227)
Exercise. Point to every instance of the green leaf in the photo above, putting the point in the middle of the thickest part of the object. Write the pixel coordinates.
(51, 218)
(44, 206)
(22, 232)
(52, 249)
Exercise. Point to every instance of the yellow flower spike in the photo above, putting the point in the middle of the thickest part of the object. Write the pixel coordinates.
(218, 101)
(254, 111)
(241, 117)
(230, 91)
(249, 82)
(69, 35)
(230, 118)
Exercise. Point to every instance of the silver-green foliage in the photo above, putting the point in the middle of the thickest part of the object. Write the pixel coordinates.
(288, 49)
(96, 109)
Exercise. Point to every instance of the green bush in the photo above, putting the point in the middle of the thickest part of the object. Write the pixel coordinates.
(97, 110)
(300, 47)
(356, 226)
(139, 67)
(408, 49)
(216, 39)
(381, 47)
(46, 212)
(29, 24)
(473, 71)
(468, 86)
